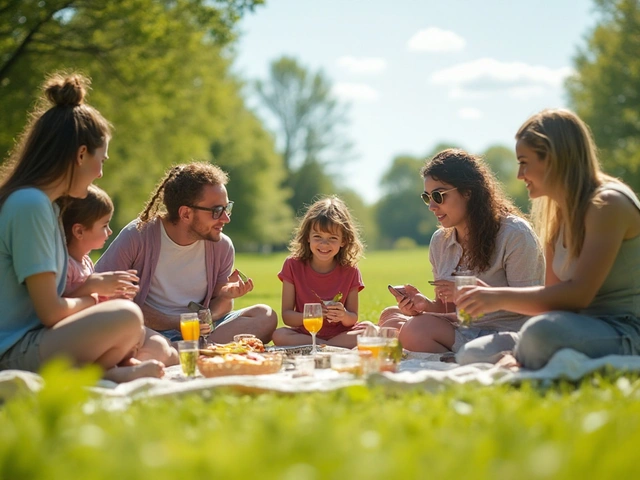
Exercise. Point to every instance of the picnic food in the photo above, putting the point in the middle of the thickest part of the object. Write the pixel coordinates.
(244, 346)
(337, 297)
(251, 363)
(242, 276)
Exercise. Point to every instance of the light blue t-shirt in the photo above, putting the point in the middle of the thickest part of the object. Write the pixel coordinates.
(31, 242)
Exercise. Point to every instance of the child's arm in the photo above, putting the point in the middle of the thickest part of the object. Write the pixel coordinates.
(289, 316)
(110, 284)
(347, 314)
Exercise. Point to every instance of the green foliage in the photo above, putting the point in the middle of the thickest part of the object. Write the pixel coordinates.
(400, 212)
(605, 91)
(161, 75)
(311, 125)
(504, 165)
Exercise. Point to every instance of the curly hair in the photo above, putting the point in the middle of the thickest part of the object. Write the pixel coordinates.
(487, 203)
(182, 185)
(329, 215)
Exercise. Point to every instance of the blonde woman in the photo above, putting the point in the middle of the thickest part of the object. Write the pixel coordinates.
(589, 223)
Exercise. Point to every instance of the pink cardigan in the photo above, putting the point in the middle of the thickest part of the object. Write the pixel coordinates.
(140, 250)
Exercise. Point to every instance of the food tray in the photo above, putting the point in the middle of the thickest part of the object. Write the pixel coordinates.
(213, 367)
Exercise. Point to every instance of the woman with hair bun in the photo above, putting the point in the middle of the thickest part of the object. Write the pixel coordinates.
(60, 153)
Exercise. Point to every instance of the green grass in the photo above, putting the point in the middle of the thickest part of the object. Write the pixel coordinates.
(590, 430)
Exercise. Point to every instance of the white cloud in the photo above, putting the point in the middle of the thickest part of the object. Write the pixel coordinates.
(355, 92)
(434, 39)
(483, 77)
(363, 65)
(525, 93)
(470, 113)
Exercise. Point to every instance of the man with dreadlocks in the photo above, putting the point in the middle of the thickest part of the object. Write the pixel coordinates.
(177, 246)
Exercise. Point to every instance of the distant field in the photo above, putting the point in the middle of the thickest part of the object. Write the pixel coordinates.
(379, 269)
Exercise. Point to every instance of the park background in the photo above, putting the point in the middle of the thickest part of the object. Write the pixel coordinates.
(297, 99)
(179, 81)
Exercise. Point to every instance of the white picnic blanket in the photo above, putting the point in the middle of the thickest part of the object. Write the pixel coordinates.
(418, 372)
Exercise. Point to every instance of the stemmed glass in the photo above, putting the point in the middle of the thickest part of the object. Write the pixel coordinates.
(204, 316)
(312, 321)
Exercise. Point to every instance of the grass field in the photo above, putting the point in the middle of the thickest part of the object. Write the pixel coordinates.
(590, 430)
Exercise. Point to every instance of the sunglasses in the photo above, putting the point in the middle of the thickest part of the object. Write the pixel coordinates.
(216, 212)
(437, 196)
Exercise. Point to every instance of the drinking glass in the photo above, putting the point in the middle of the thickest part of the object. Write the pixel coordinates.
(189, 326)
(204, 317)
(392, 347)
(312, 321)
(463, 281)
(188, 350)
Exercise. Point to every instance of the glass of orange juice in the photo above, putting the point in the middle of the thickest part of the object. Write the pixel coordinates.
(190, 326)
(312, 321)
(375, 345)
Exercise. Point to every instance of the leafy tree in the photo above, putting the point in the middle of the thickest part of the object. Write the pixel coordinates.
(401, 212)
(160, 74)
(310, 118)
(605, 91)
(504, 165)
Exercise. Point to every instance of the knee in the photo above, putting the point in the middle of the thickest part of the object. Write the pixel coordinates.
(128, 315)
(280, 335)
(538, 342)
(267, 319)
(389, 313)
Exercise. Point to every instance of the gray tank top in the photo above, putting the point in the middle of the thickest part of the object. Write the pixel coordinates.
(620, 292)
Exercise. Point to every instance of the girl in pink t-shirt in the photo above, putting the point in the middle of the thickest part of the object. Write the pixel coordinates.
(86, 227)
(322, 267)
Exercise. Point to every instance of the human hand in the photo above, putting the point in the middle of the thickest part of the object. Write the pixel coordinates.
(478, 300)
(205, 329)
(334, 312)
(418, 300)
(120, 284)
(236, 287)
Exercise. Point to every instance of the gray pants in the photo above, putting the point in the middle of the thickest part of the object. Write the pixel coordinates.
(545, 334)
(487, 349)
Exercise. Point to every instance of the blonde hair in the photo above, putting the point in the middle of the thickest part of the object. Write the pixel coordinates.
(328, 215)
(565, 143)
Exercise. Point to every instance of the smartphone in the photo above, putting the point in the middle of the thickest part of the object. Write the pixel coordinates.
(395, 290)
(195, 306)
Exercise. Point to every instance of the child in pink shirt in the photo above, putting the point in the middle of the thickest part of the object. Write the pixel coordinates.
(86, 226)
(322, 267)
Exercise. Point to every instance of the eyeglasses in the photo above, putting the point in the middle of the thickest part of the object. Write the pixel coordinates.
(436, 195)
(216, 212)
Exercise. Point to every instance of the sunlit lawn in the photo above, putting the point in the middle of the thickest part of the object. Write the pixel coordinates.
(591, 430)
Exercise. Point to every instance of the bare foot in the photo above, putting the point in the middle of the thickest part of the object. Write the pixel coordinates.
(135, 369)
(508, 361)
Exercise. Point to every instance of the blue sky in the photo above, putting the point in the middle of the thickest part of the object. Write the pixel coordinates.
(417, 73)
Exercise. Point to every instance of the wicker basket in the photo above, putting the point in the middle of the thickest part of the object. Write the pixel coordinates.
(210, 367)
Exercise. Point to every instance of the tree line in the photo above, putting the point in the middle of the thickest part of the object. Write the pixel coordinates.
(161, 73)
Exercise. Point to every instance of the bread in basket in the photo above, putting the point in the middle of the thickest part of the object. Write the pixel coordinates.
(251, 363)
